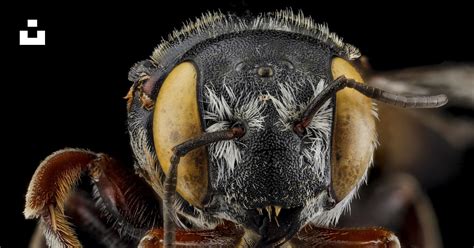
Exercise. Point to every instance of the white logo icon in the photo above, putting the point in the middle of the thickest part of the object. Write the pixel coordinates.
(39, 39)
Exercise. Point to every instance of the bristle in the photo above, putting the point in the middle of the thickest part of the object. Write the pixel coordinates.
(52, 183)
(221, 114)
(212, 24)
(61, 233)
(319, 130)
(49, 186)
(331, 217)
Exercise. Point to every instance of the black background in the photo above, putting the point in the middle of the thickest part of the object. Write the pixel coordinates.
(69, 92)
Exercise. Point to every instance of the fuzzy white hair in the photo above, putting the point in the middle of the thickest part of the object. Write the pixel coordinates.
(222, 114)
(319, 129)
(331, 217)
(316, 154)
(213, 24)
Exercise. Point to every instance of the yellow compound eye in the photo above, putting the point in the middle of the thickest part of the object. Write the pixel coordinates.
(176, 119)
(354, 133)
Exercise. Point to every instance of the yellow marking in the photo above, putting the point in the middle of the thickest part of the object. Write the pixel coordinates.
(277, 210)
(354, 133)
(269, 212)
(177, 119)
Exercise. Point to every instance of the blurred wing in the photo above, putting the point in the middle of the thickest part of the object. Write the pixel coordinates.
(427, 143)
(454, 80)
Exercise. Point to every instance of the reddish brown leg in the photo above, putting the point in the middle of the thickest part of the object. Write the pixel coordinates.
(124, 195)
(225, 235)
(49, 189)
(312, 236)
(85, 217)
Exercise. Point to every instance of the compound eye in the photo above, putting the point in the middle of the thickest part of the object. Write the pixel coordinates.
(176, 119)
(354, 134)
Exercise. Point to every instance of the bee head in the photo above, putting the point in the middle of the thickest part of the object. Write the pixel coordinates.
(306, 149)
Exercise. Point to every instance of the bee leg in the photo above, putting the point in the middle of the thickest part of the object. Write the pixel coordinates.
(87, 220)
(49, 189)
(313, 236)
(224, 235)
(123, 193)
(125, 197)
(85, 217)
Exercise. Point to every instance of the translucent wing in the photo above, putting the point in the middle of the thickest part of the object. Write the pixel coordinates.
(419, 149)
(420, 141)
(454, 80)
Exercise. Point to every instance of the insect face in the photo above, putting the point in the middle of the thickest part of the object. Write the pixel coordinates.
(261, 80)
(261, 83)
(304, 150)
(244, 130)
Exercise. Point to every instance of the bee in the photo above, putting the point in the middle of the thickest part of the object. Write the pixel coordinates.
(247, 132)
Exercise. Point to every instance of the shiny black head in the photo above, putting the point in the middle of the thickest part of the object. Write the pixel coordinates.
(263, 79)
(259, 74)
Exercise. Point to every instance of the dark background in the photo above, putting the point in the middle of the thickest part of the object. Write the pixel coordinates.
(69, 92)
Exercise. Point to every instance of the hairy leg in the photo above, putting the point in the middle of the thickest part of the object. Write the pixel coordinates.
(125, 197)
(121, 193)
(90, 224)
(50, 187)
